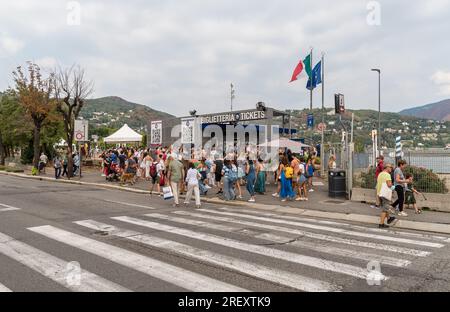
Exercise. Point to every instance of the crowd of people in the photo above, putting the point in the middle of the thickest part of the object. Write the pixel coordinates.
(169, 170)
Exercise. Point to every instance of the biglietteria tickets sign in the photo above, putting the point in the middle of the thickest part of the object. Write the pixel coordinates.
(234, 117)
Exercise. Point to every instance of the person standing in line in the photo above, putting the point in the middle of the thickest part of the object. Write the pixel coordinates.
(43, 159)
(385, 178)
(277, 177)
(332, 163)
(295, 164)
(310, 173)
(218, 167)
(175, 174)
(64, 163)
(240, 165)
(57, 164)
(229, 172)
(260, 185)
(399, 182)
(192, 178)
(76, 163)
(251, 178)
(286, 173)
(302, 181)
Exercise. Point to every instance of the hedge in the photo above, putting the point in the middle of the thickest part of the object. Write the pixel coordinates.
(424, 180)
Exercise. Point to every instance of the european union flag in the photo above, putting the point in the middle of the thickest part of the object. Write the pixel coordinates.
(316, 77)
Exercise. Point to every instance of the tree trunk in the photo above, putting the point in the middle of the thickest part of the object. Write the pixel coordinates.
(69, 161)
(36, 145)
(2, 151)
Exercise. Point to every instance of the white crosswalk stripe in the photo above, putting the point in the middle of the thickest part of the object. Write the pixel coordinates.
(279, 239)
(128, 204)
(314, 262)
(7, 208)
(329, 229)
(259, 271)
(169, 273)
(53, 267)
(319, 236)
(392, 231)
(3, 288)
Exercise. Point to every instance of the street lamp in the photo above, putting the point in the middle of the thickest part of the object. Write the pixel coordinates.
(379, 107)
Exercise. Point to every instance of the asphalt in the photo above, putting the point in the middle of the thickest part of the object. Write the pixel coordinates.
(42, 203)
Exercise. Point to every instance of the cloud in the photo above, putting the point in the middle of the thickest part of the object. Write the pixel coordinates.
(9, 45)
(442, 80)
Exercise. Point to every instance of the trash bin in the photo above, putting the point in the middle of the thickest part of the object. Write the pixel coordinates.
(337, 184)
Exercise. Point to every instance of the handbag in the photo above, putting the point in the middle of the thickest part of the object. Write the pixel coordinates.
(386, 192)
(167, 193)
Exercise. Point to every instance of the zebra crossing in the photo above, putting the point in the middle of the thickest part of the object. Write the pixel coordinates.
(277, 250)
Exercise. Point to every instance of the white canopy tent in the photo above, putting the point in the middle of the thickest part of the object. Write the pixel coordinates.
(124, 135)
(294, 146)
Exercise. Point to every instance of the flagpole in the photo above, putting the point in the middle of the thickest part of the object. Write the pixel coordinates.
(311, 91)
(322, 151)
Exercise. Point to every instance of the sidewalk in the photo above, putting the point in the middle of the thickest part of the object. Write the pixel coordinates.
(319, 204)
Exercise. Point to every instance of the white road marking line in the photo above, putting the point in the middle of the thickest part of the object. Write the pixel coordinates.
(348, 225)
(329, 229)
(7, 208)
(318, 263)
(259, 271)
(353, 242)
(163, 271)
(128, 204)
(3, 288)
(54, 268)
(356, 254)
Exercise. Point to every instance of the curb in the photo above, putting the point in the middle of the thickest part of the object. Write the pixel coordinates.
(403, 224)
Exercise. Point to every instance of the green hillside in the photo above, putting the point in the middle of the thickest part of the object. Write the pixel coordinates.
(113, 112)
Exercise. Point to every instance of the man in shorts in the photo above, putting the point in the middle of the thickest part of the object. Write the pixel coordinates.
(385, 177)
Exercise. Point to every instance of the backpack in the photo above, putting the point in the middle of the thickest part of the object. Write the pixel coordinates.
(288, 172)
(232, 175)
(153, 172)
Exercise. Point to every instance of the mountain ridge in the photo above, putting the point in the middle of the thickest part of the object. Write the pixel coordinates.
(436, 111)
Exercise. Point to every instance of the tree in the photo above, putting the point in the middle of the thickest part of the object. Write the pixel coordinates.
(34, 94)
(71, 91)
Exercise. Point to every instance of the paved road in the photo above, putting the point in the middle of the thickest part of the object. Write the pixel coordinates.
(57, 237)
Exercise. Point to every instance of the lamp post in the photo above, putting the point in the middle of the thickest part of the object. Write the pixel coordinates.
(379, 107)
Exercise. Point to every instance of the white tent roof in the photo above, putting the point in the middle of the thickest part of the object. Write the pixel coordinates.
(123, 135)
(294, 146)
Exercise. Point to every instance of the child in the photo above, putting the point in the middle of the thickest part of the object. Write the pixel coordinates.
(409, 194)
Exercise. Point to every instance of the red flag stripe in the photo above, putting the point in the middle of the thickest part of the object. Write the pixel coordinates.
(297, 71)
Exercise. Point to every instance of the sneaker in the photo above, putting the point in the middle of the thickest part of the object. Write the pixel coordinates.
(383, 226)
(392, 221)
(283, 200)
(299, 199)
(402, 214)
(251, 200)
(239, 197)
(311, 190)
(276, 195)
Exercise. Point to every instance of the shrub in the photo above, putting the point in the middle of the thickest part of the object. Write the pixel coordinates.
(424, 180)
(2, 167)
(14, 170)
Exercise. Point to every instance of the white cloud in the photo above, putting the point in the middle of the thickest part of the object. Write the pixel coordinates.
(442, 79)
(9, 45)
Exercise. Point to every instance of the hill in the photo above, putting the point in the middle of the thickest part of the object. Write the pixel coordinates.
(113, 112)
(436, 111)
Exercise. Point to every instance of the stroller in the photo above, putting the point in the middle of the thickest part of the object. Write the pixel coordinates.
(113, 173)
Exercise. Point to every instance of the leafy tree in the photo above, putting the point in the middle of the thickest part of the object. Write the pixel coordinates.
(34, 93)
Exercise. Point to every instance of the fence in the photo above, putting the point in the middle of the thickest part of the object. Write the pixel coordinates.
(430, 170)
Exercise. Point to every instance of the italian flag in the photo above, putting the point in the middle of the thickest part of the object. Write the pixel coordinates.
(305, 64)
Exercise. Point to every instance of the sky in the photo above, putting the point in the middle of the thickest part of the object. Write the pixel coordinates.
(176, 56)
